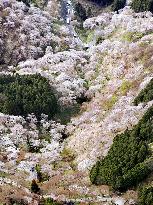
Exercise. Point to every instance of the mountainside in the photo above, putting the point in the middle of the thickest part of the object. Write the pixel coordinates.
(76, 102)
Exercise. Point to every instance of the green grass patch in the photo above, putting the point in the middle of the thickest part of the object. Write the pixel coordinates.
(126, 85)
(108, 104)
(90, 36)
(67, 155)
(132, 36)
(85, 35)
(3, 174)
(82, 33)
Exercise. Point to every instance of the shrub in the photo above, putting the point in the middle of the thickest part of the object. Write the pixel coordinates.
(41, 176)
(22, 95)
(34, 187)
(67, 155)
(132, 36)
(48, 201)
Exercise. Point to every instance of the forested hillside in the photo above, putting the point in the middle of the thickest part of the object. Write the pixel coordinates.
(76, 102)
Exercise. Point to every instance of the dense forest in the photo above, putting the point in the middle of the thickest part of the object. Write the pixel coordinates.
(146, 94)
(146, 195)
(22, 95)
(142, 5)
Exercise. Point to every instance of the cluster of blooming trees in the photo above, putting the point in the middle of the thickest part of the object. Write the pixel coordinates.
(28, 33)
(43, 139)
(112, 74)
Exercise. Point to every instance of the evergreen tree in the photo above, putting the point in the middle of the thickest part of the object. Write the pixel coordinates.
(80, 11)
